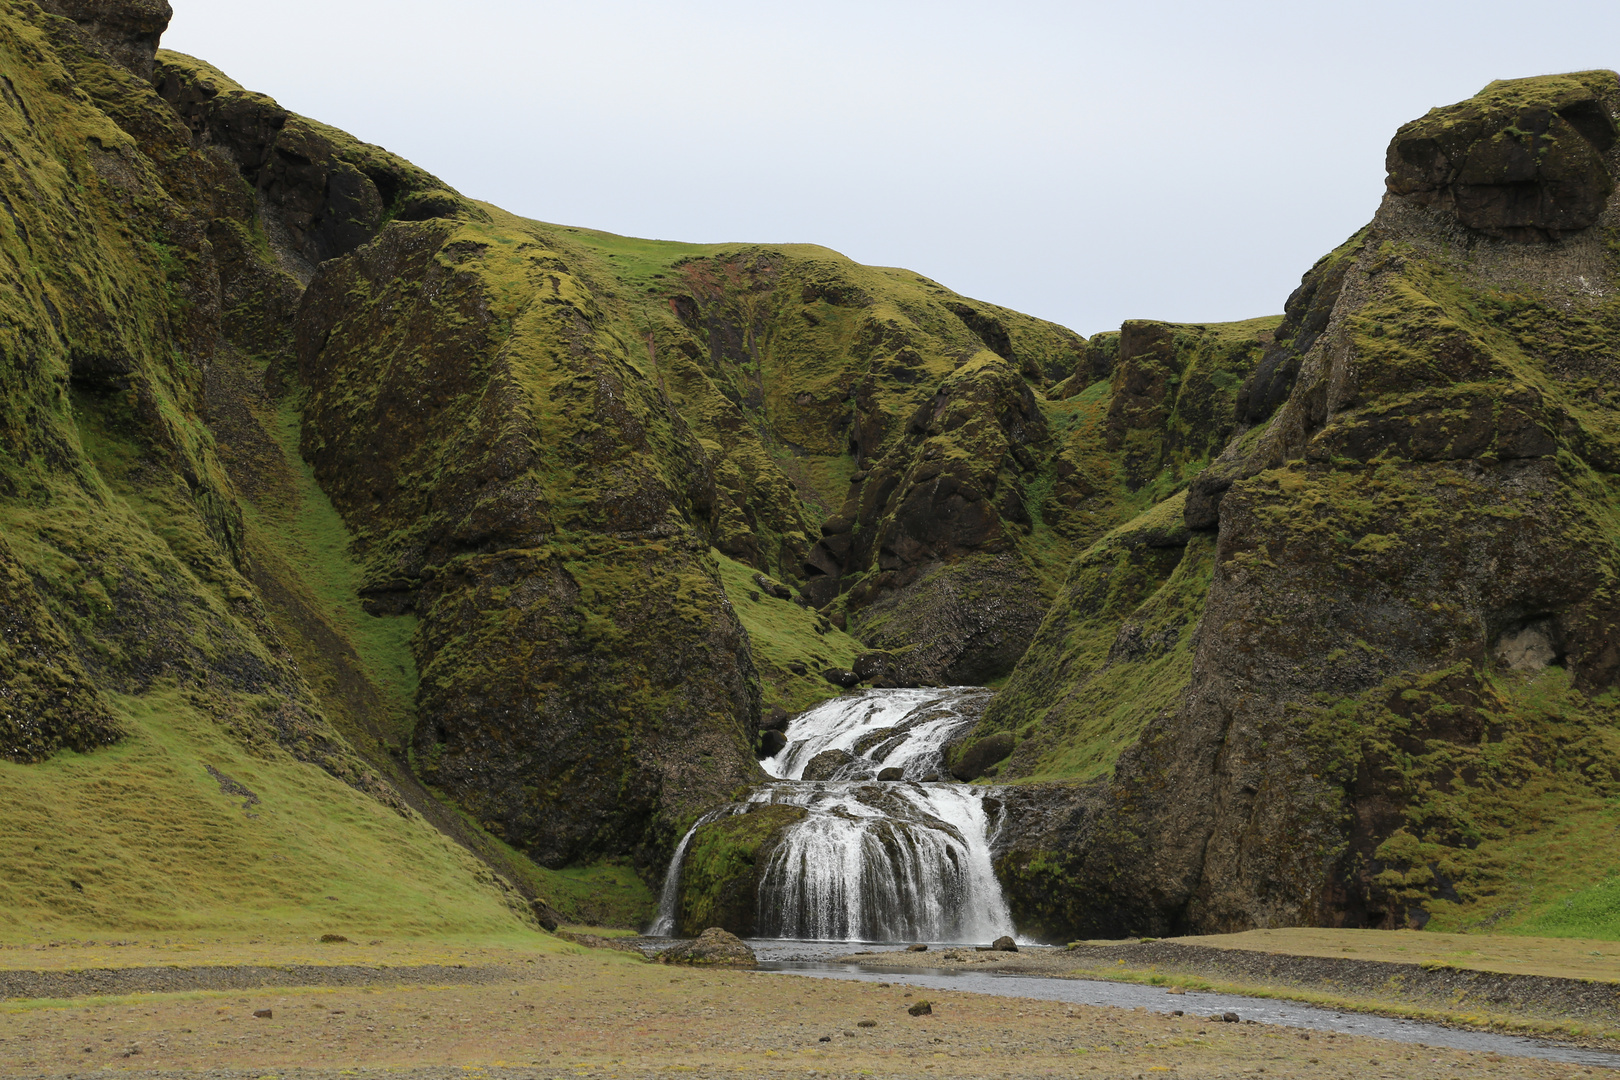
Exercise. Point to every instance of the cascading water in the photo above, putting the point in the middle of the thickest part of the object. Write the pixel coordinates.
(902, 859)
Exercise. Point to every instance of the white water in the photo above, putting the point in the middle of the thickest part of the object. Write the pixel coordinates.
(921, 722)
(873, 861)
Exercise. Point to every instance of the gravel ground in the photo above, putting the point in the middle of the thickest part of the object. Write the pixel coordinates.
(611, 1015)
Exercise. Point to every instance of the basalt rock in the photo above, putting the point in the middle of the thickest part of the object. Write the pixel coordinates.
(1526, 159)
(1367, 590)
(825, 765)
(128, 29)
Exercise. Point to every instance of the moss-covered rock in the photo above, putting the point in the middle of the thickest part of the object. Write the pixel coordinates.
(1331, 694)
(721, 873)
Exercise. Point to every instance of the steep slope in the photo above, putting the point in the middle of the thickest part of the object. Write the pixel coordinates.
(167, 765)
(1363, 672)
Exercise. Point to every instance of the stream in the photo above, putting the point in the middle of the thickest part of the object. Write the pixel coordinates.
(816, 960)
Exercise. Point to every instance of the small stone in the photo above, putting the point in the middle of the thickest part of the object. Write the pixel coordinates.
(840, 677)
(262, 1014)
(1231, 1018)
(1004, 944)
(332, 939)
(825, 1038)
(867, 1024)
(1178, 1012)
(921, 1008)
(916, 948)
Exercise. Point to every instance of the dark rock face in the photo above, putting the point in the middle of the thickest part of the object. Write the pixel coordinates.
(328, 194)
(1405, 554)
(1524, 160)
(128, 29)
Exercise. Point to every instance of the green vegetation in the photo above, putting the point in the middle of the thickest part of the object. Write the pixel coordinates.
(720, 877)
(782, 634)
(180, 827)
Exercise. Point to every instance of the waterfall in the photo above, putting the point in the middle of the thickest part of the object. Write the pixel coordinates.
(897, 860)
(669, 898)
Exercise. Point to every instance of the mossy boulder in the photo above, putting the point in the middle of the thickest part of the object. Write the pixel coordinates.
(724, 863)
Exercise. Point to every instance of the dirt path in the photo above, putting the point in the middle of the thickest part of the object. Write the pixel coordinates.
(569, 1012)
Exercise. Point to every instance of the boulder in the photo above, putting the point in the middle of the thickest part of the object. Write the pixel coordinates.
(916, 948)
(921, 1008)
(772, 588)
(545, 915)
(827, 763)
(771, 743)
(892, 773)
(975, 760)
(839, 677)
(775, 718)
(1004, 944)
(715, 948)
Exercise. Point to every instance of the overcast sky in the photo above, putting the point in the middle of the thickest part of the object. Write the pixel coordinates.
(1085, 162)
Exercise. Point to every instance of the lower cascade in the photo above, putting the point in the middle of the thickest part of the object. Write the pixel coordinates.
(901, 858)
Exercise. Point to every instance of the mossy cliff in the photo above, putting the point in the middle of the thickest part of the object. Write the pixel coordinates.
(1362, 671)
(167, 762)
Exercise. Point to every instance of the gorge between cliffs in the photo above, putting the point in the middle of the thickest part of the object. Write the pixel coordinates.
(364, 544)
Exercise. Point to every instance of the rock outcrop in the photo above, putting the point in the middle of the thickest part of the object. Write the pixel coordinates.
(1374, 644)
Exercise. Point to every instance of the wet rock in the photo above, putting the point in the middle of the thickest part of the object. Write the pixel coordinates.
(975, 759)
(771, 743)
(921, 1008)
(883, 670)
(545, 915)
(826, 763)
(839, 677)
(715, 948)
(1004, 944)
(892, 773)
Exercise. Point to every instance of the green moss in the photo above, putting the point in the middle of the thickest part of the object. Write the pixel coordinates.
(143, 837)
(781, 634)
(720, 877)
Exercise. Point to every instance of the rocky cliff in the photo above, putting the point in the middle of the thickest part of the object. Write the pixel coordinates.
(1362, 671)
(488, 546)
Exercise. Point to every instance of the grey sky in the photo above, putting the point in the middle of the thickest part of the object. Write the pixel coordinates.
(1085, 162)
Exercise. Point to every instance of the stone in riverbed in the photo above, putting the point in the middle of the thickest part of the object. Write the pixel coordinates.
(892, 773)
(826, 763)
(715, 948)
(916, 948)
(1004, 944)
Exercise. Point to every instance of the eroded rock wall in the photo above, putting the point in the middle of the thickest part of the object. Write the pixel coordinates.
(1398, 641)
